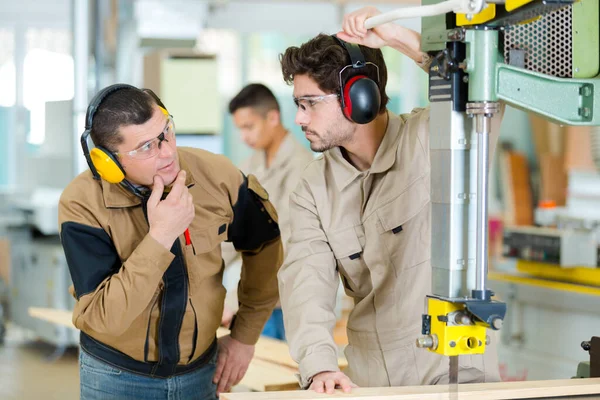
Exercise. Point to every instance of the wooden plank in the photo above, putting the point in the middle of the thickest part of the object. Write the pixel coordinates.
(516, 188)
(264, 376)
(56, 316)
(553, 179)
(276, 351)
(5, 261)
(548, 137)
(578, 149)
(476, 391)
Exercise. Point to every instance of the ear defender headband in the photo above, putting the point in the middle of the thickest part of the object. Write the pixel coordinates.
(360, 94)
(102, 162)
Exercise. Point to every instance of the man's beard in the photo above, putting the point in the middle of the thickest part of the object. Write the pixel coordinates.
(318, 146)
(327, 141)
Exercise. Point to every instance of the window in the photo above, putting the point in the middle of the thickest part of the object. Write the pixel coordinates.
(48, 75)
(225, 44)
(263, 59)
(7, 68)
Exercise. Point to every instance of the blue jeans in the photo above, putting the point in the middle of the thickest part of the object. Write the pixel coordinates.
(274, 326)
(101, 381)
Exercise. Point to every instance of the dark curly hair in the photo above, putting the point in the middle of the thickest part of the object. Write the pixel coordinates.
(322, 58)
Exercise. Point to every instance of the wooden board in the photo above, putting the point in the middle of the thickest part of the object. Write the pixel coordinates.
(516, 189)
(553, 179)
(56, 316)
(548, 137)
(5, 261)
(276, 351)
(264, 376)
(578, 149)
(554, 389)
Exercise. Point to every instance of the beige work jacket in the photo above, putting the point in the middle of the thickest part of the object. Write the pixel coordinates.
(373, 228)
(120, 273)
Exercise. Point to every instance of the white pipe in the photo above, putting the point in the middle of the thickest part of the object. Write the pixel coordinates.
(415, 12)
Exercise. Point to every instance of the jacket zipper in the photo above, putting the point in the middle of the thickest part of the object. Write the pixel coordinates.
(146, 344)
(195, 336)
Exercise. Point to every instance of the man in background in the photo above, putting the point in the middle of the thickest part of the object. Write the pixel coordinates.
(277, 161)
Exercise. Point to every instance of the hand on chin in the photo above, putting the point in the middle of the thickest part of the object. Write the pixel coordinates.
(168, 176)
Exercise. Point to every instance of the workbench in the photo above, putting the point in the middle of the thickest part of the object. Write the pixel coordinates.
(272, 370)
(556, 389)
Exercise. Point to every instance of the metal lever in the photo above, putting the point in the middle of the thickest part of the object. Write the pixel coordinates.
(445, 65)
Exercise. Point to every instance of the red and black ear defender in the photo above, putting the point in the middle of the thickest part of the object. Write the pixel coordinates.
(359, 94)
(102, 162)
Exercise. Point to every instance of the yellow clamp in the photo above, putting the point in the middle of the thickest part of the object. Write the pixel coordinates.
(451, 338)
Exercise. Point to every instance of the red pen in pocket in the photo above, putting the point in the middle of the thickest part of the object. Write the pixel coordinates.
(188, 240)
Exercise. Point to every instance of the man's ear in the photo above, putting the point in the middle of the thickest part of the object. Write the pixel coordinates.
(273, 117)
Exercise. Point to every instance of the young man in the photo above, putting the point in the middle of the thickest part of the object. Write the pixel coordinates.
(361, 210)
(145, 258)
(278, 161)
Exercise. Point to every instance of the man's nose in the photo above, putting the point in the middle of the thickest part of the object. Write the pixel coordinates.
(302, 118)
(244, 134)
(166, 148)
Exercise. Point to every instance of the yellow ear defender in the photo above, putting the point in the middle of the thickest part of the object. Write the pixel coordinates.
(107, 166)
(102, 162)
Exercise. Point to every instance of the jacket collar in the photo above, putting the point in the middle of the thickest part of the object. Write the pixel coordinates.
(385, 157)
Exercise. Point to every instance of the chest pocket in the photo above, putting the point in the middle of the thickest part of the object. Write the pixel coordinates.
(405, 227)
(203, 255)
(349, 255)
